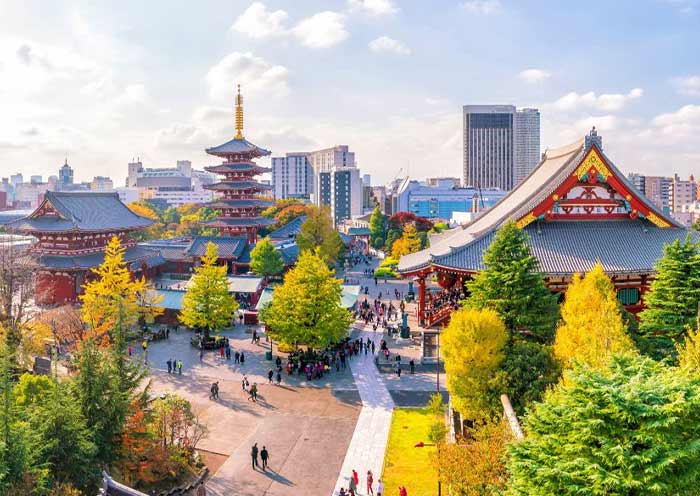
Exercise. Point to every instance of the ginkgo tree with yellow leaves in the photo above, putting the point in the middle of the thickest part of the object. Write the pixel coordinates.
(207, 304)
(592, 328)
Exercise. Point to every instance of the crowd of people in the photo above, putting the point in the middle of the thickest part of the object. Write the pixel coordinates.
(354, 482)
(436, 301)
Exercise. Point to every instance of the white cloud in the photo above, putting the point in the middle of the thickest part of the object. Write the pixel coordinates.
(684, 122)
(259, 23)
(688, 85)
(607, 102)
(533, 76)
(385, 44)
(374, 7)
(484, 7)
(322, 30)
(253, 73)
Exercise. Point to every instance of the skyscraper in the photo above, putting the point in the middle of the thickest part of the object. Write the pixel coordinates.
(292, 176)
(337, 182)
(501, 145)
(65, 176)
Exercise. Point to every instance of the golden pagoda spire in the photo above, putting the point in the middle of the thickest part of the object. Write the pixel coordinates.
(239, 114)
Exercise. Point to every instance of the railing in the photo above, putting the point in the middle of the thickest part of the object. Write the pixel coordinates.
(439, 315)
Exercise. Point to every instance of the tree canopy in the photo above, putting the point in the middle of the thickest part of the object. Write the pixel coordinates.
(512, 286)
(592, 328)
(673, 298)
(317, 231)
(631, 429)
(410, 242)
(472, 347)
(265, 260)
(207, 304)
(377, 228)
(306, 308)
(185, 220)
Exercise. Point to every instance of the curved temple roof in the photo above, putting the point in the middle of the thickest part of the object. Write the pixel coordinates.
(238, 146)
(557, 166)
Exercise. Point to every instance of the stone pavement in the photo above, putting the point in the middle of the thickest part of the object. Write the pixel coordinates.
(369, 439)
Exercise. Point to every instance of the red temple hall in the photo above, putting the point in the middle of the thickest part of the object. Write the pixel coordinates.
(577, 209)
(72, 230)
(240, 200)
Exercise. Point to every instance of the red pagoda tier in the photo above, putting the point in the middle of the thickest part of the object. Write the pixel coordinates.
(72, 230)
(241, 197)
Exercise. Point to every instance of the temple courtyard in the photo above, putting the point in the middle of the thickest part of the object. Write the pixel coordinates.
(315, 431)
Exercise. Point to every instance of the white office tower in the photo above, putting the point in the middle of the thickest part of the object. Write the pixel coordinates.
(527, 142)
(292, 176)
(337, 182)
(501, 145)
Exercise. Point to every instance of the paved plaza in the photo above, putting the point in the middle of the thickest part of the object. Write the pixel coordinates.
(316, 431)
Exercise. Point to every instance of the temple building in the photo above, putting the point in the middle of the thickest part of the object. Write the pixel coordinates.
(577, 208)
(72, 230)
(240, 201)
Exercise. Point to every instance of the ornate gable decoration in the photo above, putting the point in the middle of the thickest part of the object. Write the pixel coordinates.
(593, 191)
(46, 209)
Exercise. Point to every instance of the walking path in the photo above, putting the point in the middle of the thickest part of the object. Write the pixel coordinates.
(369, 440)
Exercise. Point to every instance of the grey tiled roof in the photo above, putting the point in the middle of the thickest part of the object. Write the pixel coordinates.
(84, 212)
(557, 165)
(253, 202)
(567, 247)
(229, 247)
(239, 221)
(133, 256)
(289, 252)
(238, 167)
(238, 146)
(224, 185)
(290, 229)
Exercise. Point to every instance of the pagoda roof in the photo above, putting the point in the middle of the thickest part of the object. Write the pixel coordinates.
(239, 221)
(238, 146)
(80, 211)
(241, 203)
(525, 204)
(234, 185)
(290, 229)
(135, 257)
(237, 167)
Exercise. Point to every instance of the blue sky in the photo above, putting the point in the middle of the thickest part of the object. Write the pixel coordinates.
(105, 82)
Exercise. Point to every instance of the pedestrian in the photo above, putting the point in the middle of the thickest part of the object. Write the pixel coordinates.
(255, 335)
(221, 352)
(214, 391)
(228, 352)
(356, 478)
(342, 492)
(242, 358)
(412, 364)
(254, 392)
(370, 481)
(402, 491)
(244, 383)
(372, 347)
(279, 378)
(179, 367)
(236, 357)
(398, 369)
(352, 486)
(270, 375)
(264, 455)
(254, 455)
(130, 350)
(170, 365)
(380, 488)
(201, 353)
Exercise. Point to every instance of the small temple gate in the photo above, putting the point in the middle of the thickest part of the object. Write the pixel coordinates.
(577, 209)
(72, 230)
(240, 200)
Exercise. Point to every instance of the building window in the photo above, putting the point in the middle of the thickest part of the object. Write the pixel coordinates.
(628, 296)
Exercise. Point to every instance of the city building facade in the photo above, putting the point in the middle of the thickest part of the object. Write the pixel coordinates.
(337, 182)
(292, 176)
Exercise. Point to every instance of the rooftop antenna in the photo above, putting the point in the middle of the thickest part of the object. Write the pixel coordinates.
(239, 114)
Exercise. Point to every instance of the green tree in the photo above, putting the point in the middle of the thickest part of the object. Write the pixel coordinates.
(31, 389)
(472, 347)
(592, 328)
(307, 309)
(512, 286)
(673, 298)
(530, 370)
(317, 232)
(377, 228)
(265, 260)
(631, 429)
(207, 304)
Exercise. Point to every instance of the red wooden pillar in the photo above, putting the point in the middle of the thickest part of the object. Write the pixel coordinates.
(421, 300)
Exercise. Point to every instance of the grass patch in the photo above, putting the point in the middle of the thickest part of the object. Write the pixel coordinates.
(405, 465)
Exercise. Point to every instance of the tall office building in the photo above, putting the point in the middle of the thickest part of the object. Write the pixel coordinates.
(337, 182)
(65, 175)
(501, 145)
(527, 142)
(292, 176)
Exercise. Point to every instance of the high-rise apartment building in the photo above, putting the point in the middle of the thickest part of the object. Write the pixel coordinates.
(337, 182)
(658, 190)
(292, 176)
(501, 145)
(682, 193)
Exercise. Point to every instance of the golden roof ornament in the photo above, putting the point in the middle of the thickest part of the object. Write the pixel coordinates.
(239, 114)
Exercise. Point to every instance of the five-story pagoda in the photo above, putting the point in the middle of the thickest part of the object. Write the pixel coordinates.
(241, 196)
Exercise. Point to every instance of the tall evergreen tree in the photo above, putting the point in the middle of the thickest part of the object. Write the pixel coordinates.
(377, 228)
(512, 286)
(207, 304)
(592, 328)
(673, 300)
(265, 260)
(307, 309)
